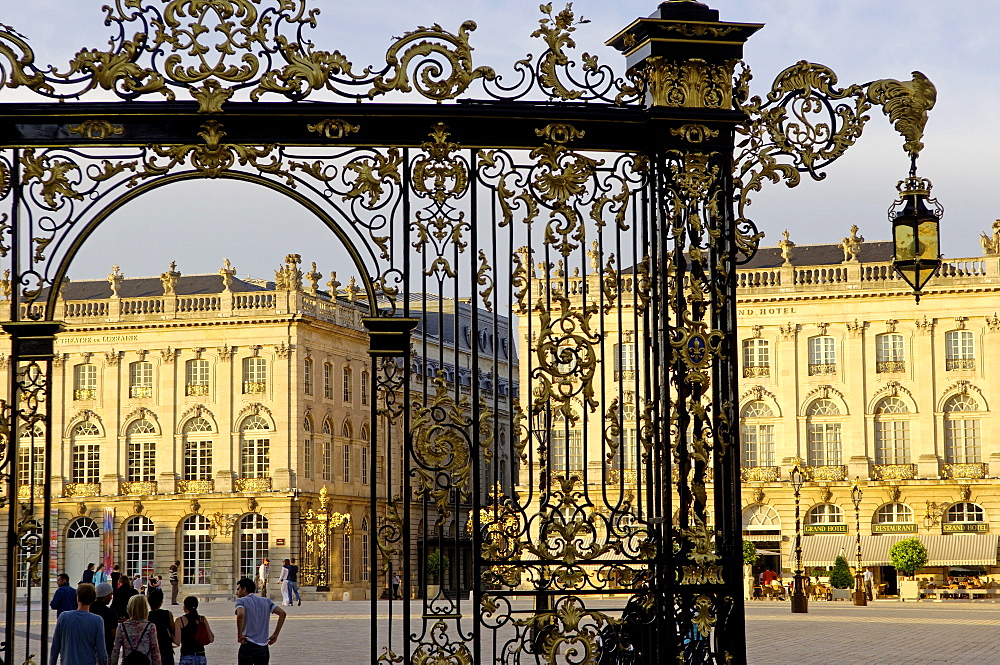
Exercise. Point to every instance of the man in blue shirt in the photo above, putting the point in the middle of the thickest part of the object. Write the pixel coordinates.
(79, 635)
(252, 614)
(64, 599)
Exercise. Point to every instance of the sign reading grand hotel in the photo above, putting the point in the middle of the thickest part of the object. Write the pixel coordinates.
(824, 528)
(961, 527)
(894, 528)
(764, 311)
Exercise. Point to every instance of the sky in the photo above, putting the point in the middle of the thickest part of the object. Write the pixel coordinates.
(953, 44)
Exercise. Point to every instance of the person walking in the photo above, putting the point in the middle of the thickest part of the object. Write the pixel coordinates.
(395, 586)
(121, 596)
(100, 576)
(137, 583)
(286, 599)
(136, 634)
(186, 634)
(164, 622)
(252, 614)
(174, 581)
(262, 573)
(293, 582)
(64, 599)
(108, 615)
(116, 576)
(78, 637)
(869, 579)
(88, 575)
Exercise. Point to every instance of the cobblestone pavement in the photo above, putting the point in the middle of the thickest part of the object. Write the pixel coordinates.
(832, 633)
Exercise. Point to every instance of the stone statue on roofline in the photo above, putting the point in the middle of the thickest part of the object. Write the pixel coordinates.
(169, 279)
(115, 278)
(227, 271)
(852, 245)
(991, 244)
(786, 246)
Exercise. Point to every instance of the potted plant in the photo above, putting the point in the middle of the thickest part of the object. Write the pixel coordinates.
(841, 579)
(907, 557)
(437, 566)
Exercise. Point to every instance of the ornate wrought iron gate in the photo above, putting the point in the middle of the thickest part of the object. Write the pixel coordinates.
(562, 246)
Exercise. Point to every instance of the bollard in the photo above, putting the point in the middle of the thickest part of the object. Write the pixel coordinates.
(347, 596)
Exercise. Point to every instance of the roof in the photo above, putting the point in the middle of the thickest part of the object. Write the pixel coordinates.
(956, 549)
(820, 255)
(151, 287)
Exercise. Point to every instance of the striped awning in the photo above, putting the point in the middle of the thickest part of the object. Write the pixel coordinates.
(965, 549)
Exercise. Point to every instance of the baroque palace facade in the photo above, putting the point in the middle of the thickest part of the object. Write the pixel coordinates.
(217, 421)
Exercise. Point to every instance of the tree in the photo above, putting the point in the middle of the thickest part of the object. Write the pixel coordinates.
(841, 577)
(750, 554)
(908, 556)
(437, 563)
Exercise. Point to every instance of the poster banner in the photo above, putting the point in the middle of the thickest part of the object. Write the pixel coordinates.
(108, 535)
(54, 542)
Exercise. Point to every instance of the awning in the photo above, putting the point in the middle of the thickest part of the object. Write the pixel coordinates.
(965, 549)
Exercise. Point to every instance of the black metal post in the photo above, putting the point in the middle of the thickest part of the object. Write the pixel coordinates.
(860, 598)
(800, 602)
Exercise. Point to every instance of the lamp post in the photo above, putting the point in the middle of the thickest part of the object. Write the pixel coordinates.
(800, 602)
(859, 584)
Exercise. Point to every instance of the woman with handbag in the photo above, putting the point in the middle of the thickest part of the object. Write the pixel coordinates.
(192, 633)
(136, 640)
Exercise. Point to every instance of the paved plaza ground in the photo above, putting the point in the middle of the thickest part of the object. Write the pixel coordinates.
(832, 633)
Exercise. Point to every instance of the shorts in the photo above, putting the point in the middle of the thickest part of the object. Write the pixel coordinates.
(194, 659)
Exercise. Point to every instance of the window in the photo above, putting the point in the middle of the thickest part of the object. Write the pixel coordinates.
(347, 431)
(86, 454)
(563, 443)
(365, 378)
(756, 358)
(328, 380)
(83, 527)
(965, 512)
(31, 457)
(85, 381)
(140, 550)
(196, 374)
(825, 513)
(255, 455)
(328, 460)
(197, 450)
(627, 456)
(347, 463)
(141, 453)
(756, 436)
(364, 549)
(823, 433)
(307, 448)
(822, 355)
(959, 352)
(364, 465)
(759, 517)
(889, 356)
(140, 379)
(253, 544)
(624, 361)
(347, 557)
(196, 550)
(307, 376)
(347, 384)
(961, 431)
(254, 376)
(894, 513)
(892, 432)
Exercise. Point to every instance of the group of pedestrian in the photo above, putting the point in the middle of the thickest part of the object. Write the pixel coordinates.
(289, 582)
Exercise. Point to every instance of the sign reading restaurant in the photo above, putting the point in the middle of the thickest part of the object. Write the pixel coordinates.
(824, 528)
(965, 527)
(894, 528)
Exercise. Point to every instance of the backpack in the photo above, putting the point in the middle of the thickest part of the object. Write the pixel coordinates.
(136, 657)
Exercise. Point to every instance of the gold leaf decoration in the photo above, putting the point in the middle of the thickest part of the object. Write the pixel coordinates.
(906, 103)
(333, 128)
(96, 129)
(52, 175)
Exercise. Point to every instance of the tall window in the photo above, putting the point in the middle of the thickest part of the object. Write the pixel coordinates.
(139, 546)
(86, 454)
(364, 549)
(889, 356)
(253, 544)
(197, 450)
(961, 430)
(140, 379)
(307, 447)
(959, 352)
(85, 381)
(822, 355)
(364, 465)
(31, 457)
(365, 378)
(328, 380)
(348, 381)
(141, 454)
(347, 462)
(347, 557)
(566, 448)
(757, 435)
(307, 376)
(627, 456)
(254, 376)
(196, 550)
(756, 358)
(196, 375)
(327, 451)
(624, 361)
(823, 428)
(255, 454)
(892, 432)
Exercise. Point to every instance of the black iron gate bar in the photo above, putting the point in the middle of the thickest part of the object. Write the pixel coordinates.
(657, 167)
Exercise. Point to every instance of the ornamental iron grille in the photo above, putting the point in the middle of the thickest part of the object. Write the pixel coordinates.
(567, 489)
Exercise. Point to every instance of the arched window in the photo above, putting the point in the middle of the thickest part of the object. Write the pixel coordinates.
(196, 550)
(756, 358)
(892, 432)
(253, 543)
(141, 454)
(760, 519)
(347, 431)
(823, 428)
(197, 449)
(307, 447)
(140, 379)
(757, 435)
(959, 350)
(889, 357)
(83, 527)
(825, 513)
(961, 431)
(86, 454)
(347, 557)
(364, 549)
(31, 456)
(255, 449)
(196, 374)
(822, 355)
(140, 550)
(965, 517)
(307, 376)
(84, 381)
(254, 376)
(894, 513)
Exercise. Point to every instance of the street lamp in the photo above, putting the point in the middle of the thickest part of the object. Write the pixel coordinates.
(800, 602)
(859, 585)
(916, 237)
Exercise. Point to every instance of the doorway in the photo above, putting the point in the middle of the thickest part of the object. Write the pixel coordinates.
(83, 546)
